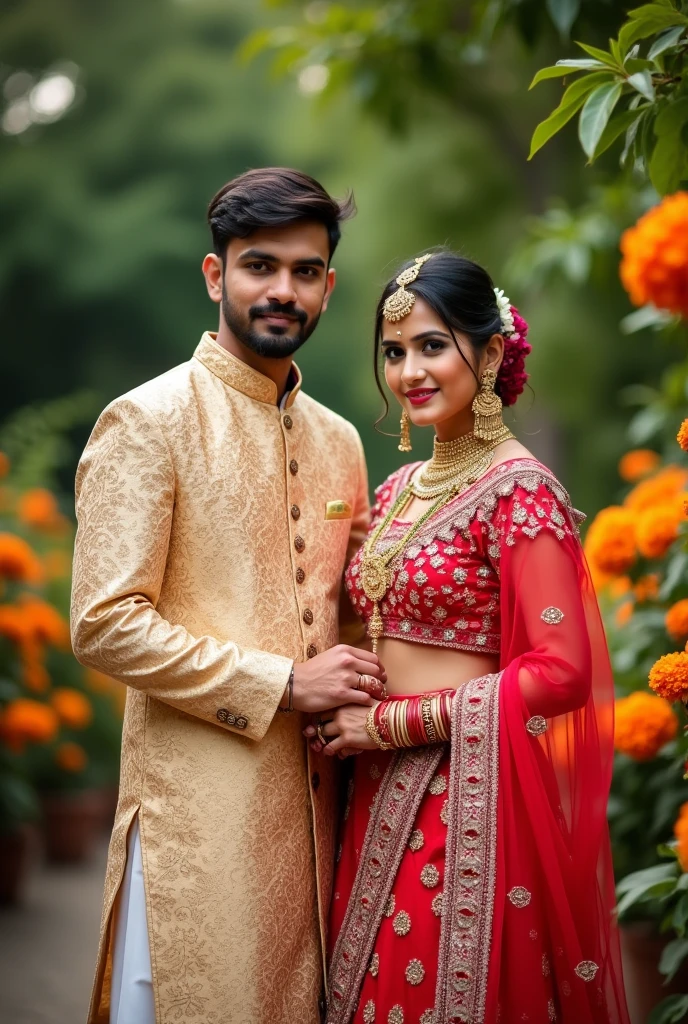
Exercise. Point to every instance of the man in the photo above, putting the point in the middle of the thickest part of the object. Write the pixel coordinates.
(216, 505)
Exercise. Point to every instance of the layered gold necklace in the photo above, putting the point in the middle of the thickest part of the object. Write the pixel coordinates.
(454, 466)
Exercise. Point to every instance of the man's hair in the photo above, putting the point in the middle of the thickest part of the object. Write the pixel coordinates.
(274, 196)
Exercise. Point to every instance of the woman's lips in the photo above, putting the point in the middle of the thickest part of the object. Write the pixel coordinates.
(418, 396)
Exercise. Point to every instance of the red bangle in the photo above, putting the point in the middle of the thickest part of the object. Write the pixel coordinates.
(380, 719)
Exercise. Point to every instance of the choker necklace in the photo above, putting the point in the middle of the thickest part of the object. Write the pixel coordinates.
(455, 464)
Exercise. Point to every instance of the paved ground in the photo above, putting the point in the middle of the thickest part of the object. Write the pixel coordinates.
(48, 947)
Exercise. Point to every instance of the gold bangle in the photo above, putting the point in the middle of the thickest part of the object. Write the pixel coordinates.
(426, 715)
(436, 714)
(404, 724)
(391, 723)
(371, 729)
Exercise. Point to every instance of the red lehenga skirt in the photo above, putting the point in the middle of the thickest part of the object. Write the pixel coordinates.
(454, 898)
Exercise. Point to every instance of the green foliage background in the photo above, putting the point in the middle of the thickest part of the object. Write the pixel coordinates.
(102, 213)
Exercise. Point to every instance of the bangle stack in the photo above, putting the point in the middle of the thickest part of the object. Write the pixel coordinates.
(412, 722)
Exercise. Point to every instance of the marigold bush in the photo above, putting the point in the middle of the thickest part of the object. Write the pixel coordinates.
(71, 757)
(18, 561)
(676, 620)
(682, 436)
(25, 720)
(664, 488)
(669, 675)
(610, 541)
(681, 833)
(72, 707)
(38, 508)
(646, 588)
(643, 725)
(655, 256)
(657, 529)
(637, 464)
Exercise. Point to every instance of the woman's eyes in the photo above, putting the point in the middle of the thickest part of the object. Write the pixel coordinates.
(432, 346)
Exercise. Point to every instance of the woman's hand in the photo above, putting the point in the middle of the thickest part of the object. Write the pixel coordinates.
(345, 732)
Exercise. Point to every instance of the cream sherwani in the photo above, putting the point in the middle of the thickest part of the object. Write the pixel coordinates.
(213, 531)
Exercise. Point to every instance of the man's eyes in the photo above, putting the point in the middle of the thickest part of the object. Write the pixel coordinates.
(260, 267)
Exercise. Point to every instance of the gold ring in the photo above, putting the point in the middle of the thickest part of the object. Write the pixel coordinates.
(319, 733)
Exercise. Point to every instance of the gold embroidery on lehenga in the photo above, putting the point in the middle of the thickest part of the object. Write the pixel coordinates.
(545, 966)
(551, 1011)
(437, 904)
(402, 923)
(390, 905)
(416, 841)
(438, 785)
(536, 725)
(374, 964)
(428, 1017)
(470, 861)
(395, 1015)
(369, 1012)
(586, 970)
(519, 896)
(444, 813)
(415, 972)
(430, 876)
(374, 771)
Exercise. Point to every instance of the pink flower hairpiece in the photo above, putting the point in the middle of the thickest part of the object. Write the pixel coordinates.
(512, 377)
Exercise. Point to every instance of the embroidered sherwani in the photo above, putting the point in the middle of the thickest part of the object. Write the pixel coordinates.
(213, 532)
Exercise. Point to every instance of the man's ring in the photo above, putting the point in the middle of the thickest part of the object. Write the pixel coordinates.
(319, 732)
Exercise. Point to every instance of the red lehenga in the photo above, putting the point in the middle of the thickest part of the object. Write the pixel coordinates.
(474, 880)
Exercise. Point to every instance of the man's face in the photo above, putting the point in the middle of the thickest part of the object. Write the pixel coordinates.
(275, 285)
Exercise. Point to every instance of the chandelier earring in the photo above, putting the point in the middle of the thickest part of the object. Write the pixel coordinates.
(405, 436)
(487, 408)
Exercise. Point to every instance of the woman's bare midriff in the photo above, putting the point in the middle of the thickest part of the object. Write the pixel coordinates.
(418, 668)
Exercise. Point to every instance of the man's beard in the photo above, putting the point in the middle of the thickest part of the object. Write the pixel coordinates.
(272, 342)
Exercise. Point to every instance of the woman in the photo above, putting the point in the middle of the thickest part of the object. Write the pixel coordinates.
(474, 881)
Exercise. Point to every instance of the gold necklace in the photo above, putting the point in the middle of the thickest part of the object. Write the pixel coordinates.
(456, 464)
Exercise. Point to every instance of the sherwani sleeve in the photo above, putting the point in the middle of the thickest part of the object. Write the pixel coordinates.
(351, 628)
(125, 493)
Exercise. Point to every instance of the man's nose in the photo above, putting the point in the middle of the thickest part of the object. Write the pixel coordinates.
(281, 289)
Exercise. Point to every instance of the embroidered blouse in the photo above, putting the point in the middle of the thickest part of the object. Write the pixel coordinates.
(445, 582)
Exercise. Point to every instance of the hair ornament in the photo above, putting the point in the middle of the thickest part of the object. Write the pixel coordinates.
(505, 314)
(400, 303)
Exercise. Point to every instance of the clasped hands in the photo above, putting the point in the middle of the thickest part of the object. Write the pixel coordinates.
(344, 682)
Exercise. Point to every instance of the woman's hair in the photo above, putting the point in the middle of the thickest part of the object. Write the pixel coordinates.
(462, 294)
(274, 196)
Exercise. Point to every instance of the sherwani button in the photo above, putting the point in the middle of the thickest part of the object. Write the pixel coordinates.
(315, 780)
(295, 512)
(293, 467)
(288, 422)
(241, 722)
(231, 719)
(299, 544)
(311, 651)
(308, 617)
(222, 714)
(300, 575)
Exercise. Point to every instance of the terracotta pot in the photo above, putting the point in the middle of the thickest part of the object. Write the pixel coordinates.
(71, 824)
(641, 948)
(16, 854)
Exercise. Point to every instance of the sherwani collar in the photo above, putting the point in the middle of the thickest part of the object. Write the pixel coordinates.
(242, 377)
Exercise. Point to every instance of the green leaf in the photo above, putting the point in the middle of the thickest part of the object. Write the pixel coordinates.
(642, 83)
(672, 957)
(671, 118)
(563, 13)
(646, 424)
(675, 573)
(601, 55)
(616, 126)
(665, 41)
(668, 163)
(679, 918)
(571, 102)
(671, 1010)
(646, 878)
(559, 70)
(596, 113)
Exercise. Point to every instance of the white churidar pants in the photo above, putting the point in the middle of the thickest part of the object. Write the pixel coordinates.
(131, 1000)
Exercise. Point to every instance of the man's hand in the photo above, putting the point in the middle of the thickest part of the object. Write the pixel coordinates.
(345, 733)
(331, 679)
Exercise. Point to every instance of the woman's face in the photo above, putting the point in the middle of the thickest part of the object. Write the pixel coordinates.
(427, 374)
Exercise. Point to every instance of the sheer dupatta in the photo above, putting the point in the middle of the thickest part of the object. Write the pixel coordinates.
(554, 886)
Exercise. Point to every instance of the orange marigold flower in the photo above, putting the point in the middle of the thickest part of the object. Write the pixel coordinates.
(637, 464)
(676, 620)
(72, 707)
(4, 465)
(610, 541)
(45, 622)
(57, 564)
(25, 720)
(35, 675)
(643, 724)
(657, 529)
(13, 624)
(38, 508)
(669, 675)
(18, 561)
(661, 489)
(682, 436)
(624, 613)
(646, 587)
(681, 833)
(655, 256)
(71, 757)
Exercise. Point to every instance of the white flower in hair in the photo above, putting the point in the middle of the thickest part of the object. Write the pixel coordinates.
(505, 314)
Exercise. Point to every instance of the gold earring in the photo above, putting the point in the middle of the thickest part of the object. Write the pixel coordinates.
(405, 436)
(487, 407)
